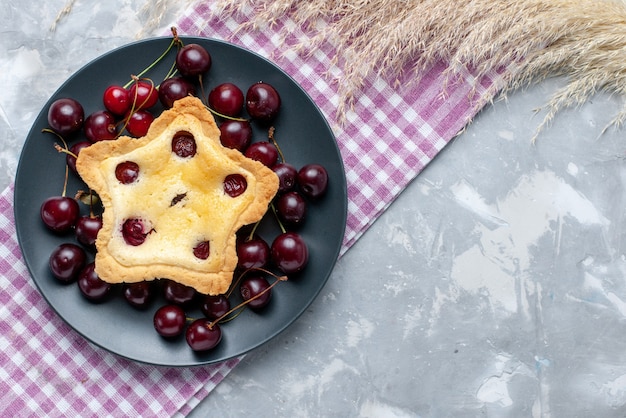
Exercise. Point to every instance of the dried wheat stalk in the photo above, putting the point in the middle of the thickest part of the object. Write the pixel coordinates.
(582, 39)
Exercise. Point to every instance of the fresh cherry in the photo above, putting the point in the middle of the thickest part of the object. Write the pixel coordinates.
(87, 228)
(100, 126)
(117, 100)
(214, 307)
(66, 261)
(253, 286)
(287, 176)
(236, 134)
(262, 102)
(143, 94)
(178, 293)
(139, 122)
(138, 294)
(169, 321)
(253, 253)
(193, 60)
(173, 89)
(59, 213)
(66, 116)
(75, 149)
(291, 208)
(226, 99)
(202, 336)
(289, 252)
(91, 285)
(313, 180)
(264, 152)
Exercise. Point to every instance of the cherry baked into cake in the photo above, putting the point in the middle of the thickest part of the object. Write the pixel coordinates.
(173, 201)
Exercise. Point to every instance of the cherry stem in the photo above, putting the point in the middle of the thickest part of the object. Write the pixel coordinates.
(244, 303)
(175, 41)
(253, 231)
(226, 116)
(60, 149)
(270, 135)
(280, 224)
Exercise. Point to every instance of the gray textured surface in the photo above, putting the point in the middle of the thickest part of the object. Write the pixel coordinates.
(493, 286)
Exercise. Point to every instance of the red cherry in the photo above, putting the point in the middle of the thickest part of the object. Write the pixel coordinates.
(144, 94)
(169, 320)
(201, 336)
(117, 100)
(193, 60)
(59, 213)
(226, 99)
(289, 252)
(66, 262)
(75, 149)
(313, 180)
(100, 126)
(91, 285)
(66, 116)
(236, 134)
(87, 228)
(262, 102)
(139, 123)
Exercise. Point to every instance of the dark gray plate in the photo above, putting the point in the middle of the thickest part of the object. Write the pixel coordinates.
(304, 136)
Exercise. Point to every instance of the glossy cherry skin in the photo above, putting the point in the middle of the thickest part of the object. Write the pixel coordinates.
(287, 176)
(262, 102)
(201, 336)
(313, 180)
(291, 208)
(116, 99)
(138, 295)
(289, 252)
(255, 286)
(87, 228)
(100, 126)
(144, 94)
(173, 89)
(193, 60)
(75, 149)
(91, 285)
(139, 122)
(66, 116)
(226, 99)
(178, 293)
(253, 253)
(263, 151)
(66, 261)
(169, 321)
(59, 213)
(214, 307)
(236, 134)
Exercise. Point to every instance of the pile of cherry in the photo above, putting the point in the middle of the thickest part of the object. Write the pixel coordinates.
(128, 109)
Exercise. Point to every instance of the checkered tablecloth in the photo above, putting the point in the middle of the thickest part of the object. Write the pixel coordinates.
(46, 369)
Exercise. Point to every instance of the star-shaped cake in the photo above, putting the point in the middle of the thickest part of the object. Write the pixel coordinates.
(173, 201)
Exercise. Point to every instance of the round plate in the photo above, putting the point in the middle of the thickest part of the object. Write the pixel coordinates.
(304, 137)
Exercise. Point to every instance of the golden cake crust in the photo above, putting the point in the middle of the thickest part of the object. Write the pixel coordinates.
(180, 200)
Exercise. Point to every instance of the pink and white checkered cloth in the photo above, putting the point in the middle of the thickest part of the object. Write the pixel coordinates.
(46, 369)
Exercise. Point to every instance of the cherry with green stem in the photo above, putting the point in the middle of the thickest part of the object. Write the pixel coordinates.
(254, 297)
(59, 213)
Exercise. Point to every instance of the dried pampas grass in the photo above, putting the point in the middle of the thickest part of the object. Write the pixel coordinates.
(584, 40)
